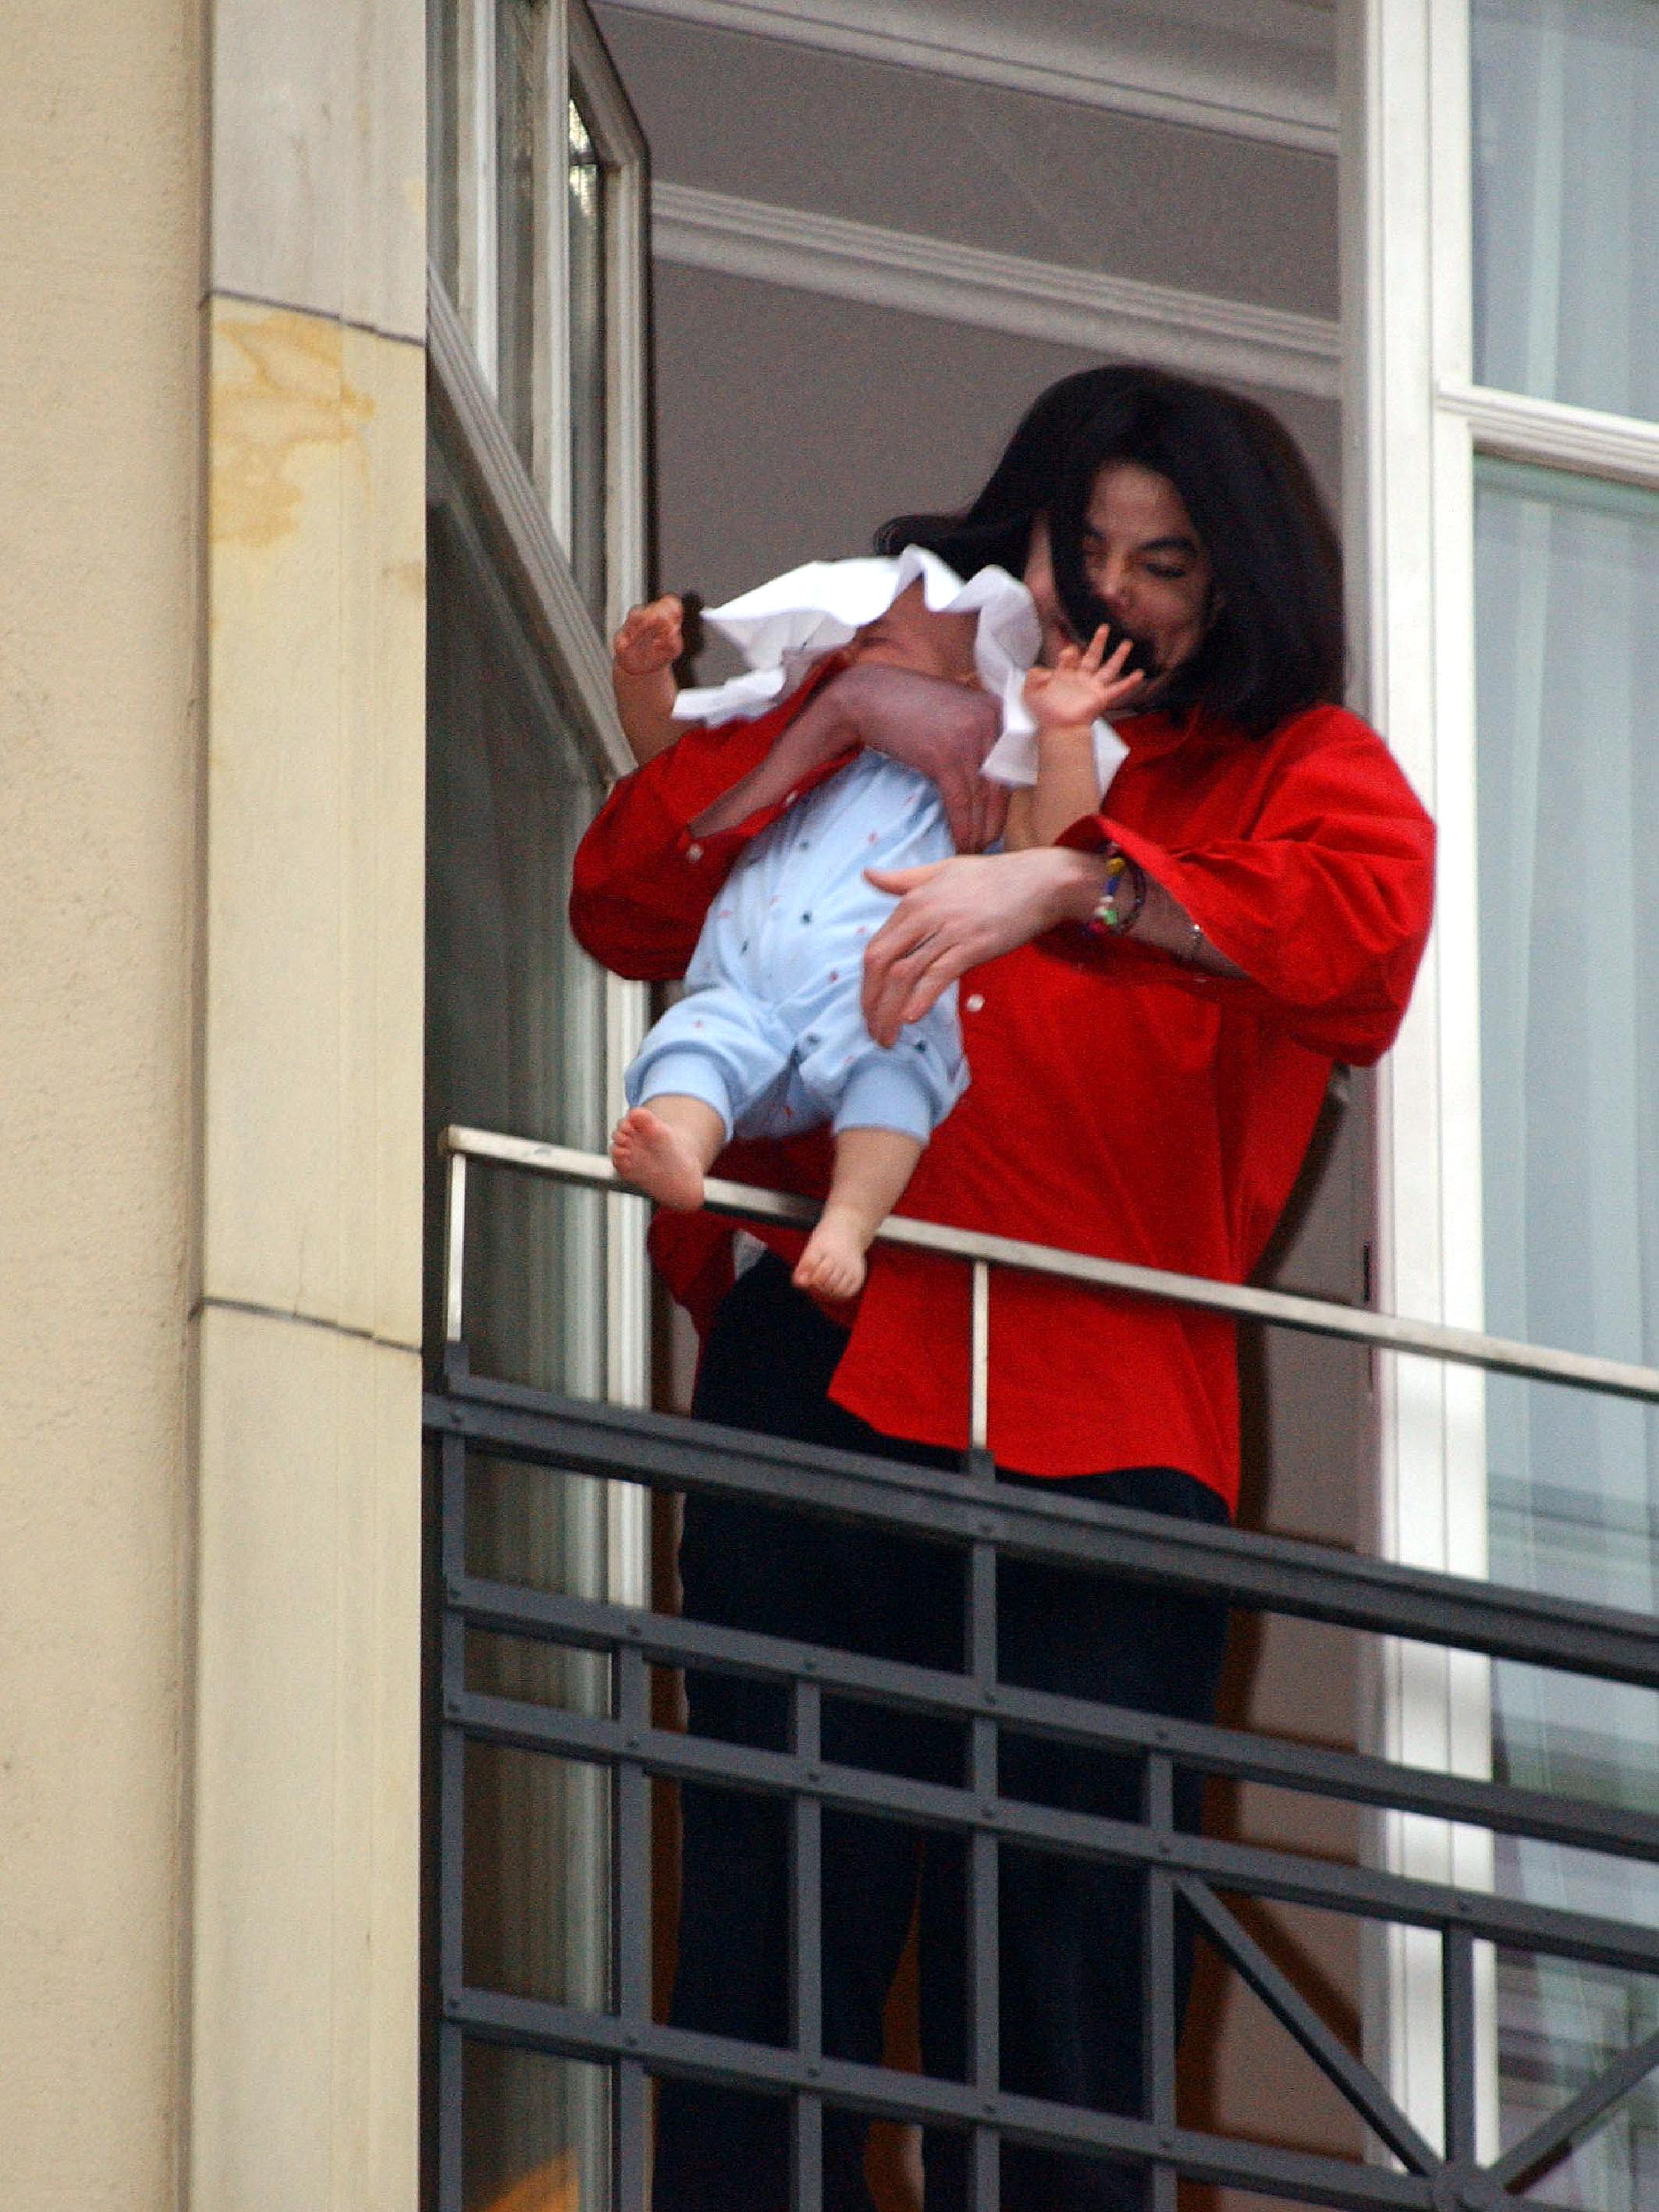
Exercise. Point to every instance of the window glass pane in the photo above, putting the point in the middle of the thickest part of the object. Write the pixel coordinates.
(521, 63)
(586, 187)
(515, 1009)
(536, 2131)
(515, 1042)
(443, 96)
(1568, 664)
(1566, 200)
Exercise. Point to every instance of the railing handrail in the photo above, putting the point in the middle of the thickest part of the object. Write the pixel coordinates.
(1384, 1332)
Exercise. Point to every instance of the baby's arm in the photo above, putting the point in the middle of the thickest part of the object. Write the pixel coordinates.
(642, 657)
(1065, 701)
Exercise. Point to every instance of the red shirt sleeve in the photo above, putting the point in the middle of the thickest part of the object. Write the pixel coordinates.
(641, 884)
(1324, 899)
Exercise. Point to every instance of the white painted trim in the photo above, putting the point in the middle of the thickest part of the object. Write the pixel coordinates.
(933, 277)
(622, 145)
(553, 411)
(1408, 303)
(521, 526)
(1162, 87)
(1579, 439)
(478, 245)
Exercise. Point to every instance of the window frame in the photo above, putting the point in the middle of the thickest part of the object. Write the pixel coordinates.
(527, 526)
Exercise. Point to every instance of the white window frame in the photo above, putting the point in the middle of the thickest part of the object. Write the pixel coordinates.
(529, 523)
(1415, 423)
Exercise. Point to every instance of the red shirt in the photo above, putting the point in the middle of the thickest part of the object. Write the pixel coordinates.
(1119, 1103)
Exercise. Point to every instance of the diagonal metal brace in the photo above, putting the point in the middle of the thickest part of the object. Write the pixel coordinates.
(1357, 2082)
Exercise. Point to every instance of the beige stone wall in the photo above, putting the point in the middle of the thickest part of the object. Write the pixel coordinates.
(305, 1801)
(100, 429)
(211, 710)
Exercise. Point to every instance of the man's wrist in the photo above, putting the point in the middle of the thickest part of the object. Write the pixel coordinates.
(1079, 882)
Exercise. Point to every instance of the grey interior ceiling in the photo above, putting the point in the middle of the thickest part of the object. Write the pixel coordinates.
(790, 422)
(914, 150)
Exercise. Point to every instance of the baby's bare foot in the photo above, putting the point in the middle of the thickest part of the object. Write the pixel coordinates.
(657, 1160)
(832, 1266)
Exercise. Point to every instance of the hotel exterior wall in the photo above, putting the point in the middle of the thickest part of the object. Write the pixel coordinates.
(306, 1791)
(212, 840)
(99, 607)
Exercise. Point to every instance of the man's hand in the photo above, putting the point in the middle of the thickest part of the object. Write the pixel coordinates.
(943, 730)
(959, 914)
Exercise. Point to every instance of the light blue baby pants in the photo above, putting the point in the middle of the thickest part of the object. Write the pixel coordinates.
(770, 1032)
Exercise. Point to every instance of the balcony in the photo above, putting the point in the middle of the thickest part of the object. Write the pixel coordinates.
(599, 1715)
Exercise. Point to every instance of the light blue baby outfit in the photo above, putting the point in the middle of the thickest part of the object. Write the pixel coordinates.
(771, 1033)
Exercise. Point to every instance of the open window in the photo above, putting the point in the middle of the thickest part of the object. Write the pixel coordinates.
(537, 505)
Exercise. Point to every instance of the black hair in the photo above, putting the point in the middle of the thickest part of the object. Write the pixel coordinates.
(1275, 641)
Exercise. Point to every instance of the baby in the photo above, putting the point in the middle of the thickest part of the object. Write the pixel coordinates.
(769, 1039)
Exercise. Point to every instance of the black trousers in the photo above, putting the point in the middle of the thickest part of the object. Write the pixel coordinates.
(1070, 1996)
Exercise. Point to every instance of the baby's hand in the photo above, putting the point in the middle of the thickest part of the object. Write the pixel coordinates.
(1079, 688)
(652, 638)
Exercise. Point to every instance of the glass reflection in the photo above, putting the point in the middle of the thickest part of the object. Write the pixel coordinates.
(1569, 819)
(1566, 200)
(521, 63)
(515, 1008)
(586, 190)
(515, 1015)
(443, 156)
(536, 2133)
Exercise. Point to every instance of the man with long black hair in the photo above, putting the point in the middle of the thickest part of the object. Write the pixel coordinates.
(1152, 1007)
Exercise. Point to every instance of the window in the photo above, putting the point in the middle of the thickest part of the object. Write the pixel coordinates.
(1506, 380)
(536, 537)
(536, 188)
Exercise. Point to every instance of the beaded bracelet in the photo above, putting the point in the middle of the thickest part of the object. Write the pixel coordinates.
(1110, 918)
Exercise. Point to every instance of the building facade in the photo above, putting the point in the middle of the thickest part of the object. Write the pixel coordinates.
(364, 362)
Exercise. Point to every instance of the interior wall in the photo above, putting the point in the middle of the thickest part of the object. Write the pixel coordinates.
(790, 424)
(100, 429)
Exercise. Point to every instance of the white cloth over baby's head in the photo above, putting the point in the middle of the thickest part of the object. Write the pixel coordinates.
(782, 628)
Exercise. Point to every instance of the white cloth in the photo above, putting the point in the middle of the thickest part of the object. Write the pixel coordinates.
(782, 627)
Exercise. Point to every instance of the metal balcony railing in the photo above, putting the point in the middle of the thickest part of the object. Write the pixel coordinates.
(988, 1521)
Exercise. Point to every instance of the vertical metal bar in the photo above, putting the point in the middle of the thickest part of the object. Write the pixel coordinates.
(452, 1828)
(978, 1413)
(451, 2179)
(1457, 2046)
(632, 2133)
(1159, 1975)
(454, 1247)
(630, 1905)
(983, 1940)
(985, 2161)
(806, 1953)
